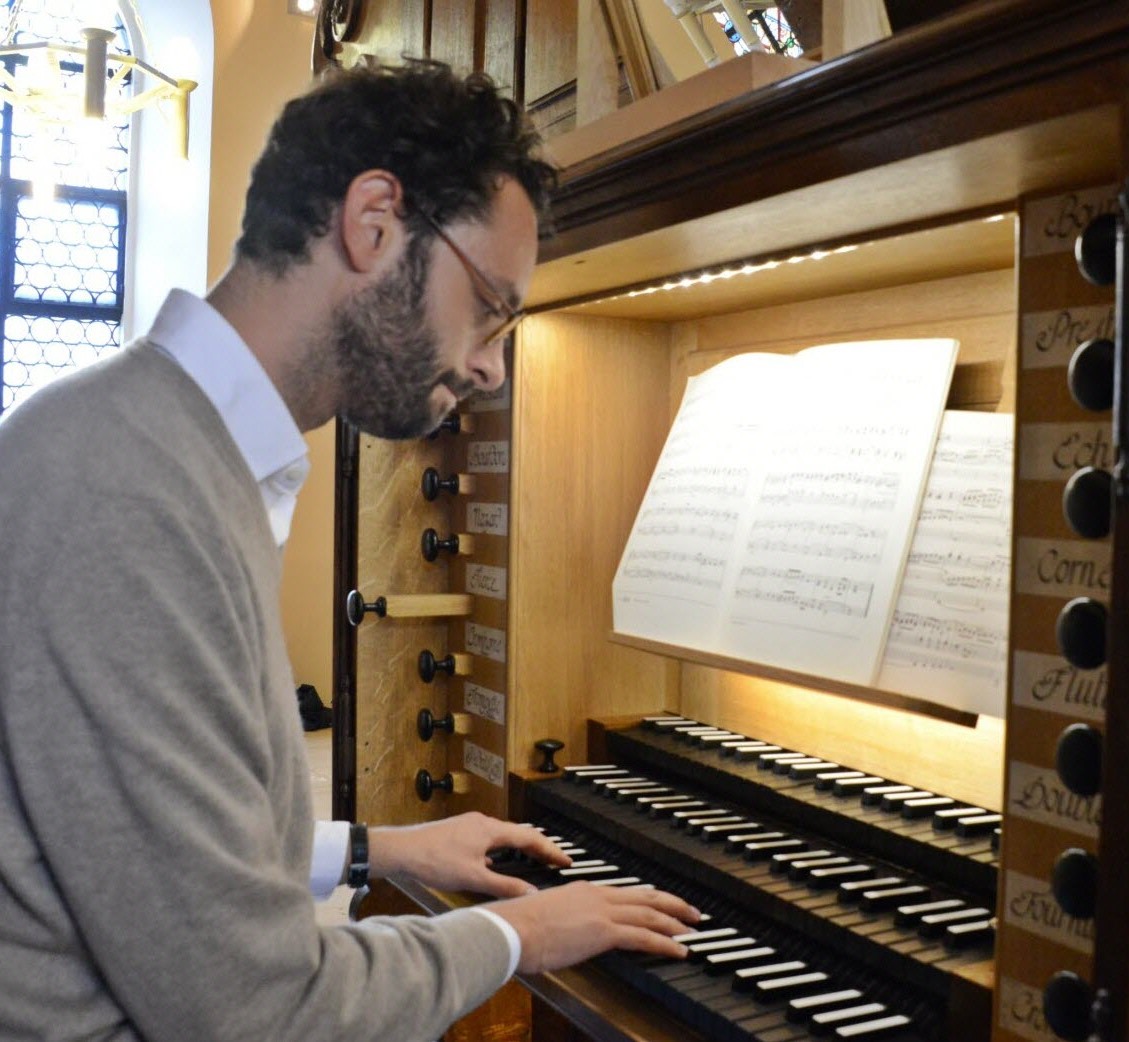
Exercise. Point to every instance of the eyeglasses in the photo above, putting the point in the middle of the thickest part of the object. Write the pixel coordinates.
(487, 292)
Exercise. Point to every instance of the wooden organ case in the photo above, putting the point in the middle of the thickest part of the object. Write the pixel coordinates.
(930, 185)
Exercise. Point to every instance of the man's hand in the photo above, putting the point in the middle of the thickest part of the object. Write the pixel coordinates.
(568, 924)
(451, 854)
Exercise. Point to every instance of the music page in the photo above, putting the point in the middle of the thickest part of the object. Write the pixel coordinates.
(805, 472)
(947, 642)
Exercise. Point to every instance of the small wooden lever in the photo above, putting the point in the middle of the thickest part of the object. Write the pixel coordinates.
(408, 605)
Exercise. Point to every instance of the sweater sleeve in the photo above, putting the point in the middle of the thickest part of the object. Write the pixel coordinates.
(138, 736)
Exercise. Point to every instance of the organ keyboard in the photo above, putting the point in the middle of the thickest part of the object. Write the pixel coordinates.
(841, 904)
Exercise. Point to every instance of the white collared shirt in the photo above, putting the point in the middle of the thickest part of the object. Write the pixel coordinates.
(207, 347)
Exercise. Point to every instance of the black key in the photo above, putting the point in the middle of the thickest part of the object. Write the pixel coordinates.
(894, 801)
(868, 1029)
(726, 962)
(926, 806)
(710, 833)
(824, 1023)
(934, 925)
(829, 878)
(978, 825)
(872, 794)
(947, 818)
(801, 869)
(785, 766)
(695, 825)
(877, 900)
(738, 840)
(786, 987)
(760, 851)
(666, 809)
(855, 888)
(703, 948)
(959, 936)
(781, 862)
(767, 760)
(854, 786)
(910, 915)
(800, 1009)
(827, 781)
(745, 979)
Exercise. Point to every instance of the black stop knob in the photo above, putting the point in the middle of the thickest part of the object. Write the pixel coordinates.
(1081, 632)
(1074, 882)
(1095, 250)
(427, 724)
(453, 424)
(430, 544)
(431, 484)
(1067, 1000)
(548, 748)
(1090, 374)
(426, 784)
(429, 665)
(356, 608)
(1087, 502)
(1078, 758)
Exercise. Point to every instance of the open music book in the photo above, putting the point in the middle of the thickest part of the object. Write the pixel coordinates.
(778, 520)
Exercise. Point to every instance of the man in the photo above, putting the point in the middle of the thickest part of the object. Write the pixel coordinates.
(155, 832)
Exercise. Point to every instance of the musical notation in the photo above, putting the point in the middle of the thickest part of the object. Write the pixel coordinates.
(948, 637)
(783, 503)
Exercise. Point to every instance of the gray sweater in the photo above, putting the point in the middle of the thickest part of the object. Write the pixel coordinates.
(155, 818)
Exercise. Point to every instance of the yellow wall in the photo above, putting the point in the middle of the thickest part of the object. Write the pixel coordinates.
(262, 57)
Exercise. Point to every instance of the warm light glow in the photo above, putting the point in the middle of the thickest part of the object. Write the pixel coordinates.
(748, 268)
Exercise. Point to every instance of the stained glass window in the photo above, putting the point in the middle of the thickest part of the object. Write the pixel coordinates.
(62, 216)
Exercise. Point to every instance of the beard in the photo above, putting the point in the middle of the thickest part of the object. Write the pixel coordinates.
(387, 354)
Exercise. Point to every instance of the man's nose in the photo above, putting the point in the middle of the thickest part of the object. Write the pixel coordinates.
(489, 365)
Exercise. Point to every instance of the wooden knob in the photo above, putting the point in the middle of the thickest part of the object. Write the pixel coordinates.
(1081, 632)
(548, 748)
(1090, 374)
(1095, 250)
(431, 484)
(1087, 502)
(453, 665)
(431, 545)
(1074, 882)
(426, 783)
(1078, 759)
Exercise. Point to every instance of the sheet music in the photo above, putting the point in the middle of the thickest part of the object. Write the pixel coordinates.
(948, 639)
(779, 516)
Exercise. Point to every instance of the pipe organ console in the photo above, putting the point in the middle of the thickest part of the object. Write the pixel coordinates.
(874, 866)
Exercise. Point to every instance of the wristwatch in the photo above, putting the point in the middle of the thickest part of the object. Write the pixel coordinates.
(358, 855)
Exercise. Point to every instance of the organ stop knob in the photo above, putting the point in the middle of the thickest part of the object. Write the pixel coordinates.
(1081, 632)
(1087, 502)
(1078, 758)
(1067, 1002)
(426, 783)
(548, 748)
(1090, 374)
(1074, 882)
(1095, 250)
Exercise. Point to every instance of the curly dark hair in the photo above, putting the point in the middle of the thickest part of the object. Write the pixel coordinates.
(448, 140)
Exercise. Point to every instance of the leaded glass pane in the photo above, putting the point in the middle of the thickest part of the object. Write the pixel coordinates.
(67, 250)
(37, 349)
(60, 282)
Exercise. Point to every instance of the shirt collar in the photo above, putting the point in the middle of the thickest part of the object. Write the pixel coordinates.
(210, 351)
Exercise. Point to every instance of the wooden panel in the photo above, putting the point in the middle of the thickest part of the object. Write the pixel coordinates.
(550, 47)
(390, 692)
(590, 416)
(388, 30)
(503, 57)
(453, 34)
(1058, 310)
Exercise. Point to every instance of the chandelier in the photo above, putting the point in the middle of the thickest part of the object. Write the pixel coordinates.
(45, 85)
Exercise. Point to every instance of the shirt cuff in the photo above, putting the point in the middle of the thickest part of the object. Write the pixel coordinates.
(327, 861)
(510, 933)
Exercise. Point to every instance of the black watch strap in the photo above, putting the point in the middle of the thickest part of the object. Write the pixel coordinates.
(358, 855)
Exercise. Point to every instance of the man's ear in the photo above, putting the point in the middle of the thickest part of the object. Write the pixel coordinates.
(370, 223)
